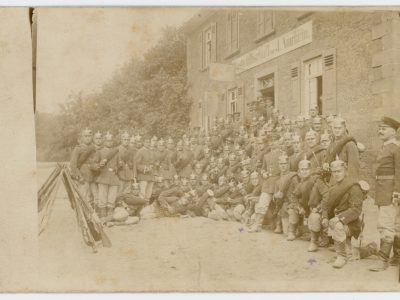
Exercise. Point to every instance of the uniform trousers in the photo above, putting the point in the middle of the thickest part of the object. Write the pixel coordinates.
(107, 195)
(146, 189)
(389, 222)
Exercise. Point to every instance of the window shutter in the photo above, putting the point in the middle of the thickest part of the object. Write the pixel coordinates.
(329, 81)
(295, 87)
(240, 100)
(201, 49)
(214, 42)
(229, 34)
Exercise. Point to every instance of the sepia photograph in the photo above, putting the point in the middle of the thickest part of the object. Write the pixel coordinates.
(216, 149)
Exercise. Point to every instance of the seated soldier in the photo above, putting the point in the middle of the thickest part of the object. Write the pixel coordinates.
(252, 194)
(343, 209)
(298, 209)
(204, 204)
(283, 187)
(233, 204)
(132, 200)
(318, 194)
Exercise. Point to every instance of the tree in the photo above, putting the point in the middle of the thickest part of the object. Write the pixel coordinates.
(147, 96)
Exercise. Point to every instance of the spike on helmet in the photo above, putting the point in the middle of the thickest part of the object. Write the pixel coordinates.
(304, 163)
(337, 163)
(86, 131)
(98, 134)
(125, 135)
(161, 142)
(108, 136)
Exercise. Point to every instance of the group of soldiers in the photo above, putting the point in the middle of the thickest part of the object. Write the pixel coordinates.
(299, 178)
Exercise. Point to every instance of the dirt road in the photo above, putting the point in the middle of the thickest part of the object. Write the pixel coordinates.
(195, 254)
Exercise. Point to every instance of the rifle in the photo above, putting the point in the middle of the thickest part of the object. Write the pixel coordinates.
(91, 223)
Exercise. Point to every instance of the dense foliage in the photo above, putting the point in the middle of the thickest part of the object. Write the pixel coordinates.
(147, 96)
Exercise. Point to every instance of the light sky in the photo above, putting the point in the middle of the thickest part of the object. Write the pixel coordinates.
(79, 49)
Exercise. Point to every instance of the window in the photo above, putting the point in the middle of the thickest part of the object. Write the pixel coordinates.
(232, 100)
(313, 85)
(232, 33)
(265, 24)
(208, 41)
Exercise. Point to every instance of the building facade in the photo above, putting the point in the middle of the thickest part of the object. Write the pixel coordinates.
(345, 61)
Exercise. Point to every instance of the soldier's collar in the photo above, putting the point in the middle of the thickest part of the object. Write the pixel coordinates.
(392, 141)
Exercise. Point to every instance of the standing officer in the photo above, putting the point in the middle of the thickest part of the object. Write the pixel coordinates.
(387, 194)
(125, 164)
(80, 164)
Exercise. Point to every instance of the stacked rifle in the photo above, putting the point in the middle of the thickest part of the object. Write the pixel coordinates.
(89, 223)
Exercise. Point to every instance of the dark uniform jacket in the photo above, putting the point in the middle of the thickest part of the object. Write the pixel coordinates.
(82, 159)
(126, 163)
(387, 172)
(345, 201)
(145, 164)
(108, 173)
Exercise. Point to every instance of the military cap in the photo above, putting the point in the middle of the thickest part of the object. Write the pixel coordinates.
(86, 131)
(98, 134)
(161, 142)
(176, 177)
(339, 121)
(154, 138)
(296, 138)
(170, 141)
(287, 135)
(317, 120)
(390, 122)
(300, 119)
(108, 136)
(337, 163)
(204, 176)
(125, 135)
(192, 176)
(304, 163)
(132, 139)
(138, 138)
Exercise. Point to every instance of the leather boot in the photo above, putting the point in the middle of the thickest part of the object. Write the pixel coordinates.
(368, 250)
(256, 227)
(313, 242)
(278, 227)
(291, 236)
(395, 260)
(341, 258)
(323, 239)
(384, 253)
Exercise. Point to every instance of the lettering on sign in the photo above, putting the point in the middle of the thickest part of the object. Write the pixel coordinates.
(291, 40)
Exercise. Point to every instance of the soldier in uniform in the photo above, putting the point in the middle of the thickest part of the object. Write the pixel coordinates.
(108, 181)
(315, 153)
(270, 174)
(343, 209)
(81, 164)
(98, 143)
(301, 127)
(387, 194)
(283, 187)
(125, 164)
(145, 169)
(298, 152)
(345, 147)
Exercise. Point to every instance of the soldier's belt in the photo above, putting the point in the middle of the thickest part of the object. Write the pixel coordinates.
(384, 177)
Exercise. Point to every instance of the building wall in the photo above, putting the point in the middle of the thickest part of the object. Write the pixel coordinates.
(365, 45)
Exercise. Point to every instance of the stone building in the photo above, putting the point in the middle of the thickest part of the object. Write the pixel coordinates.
(346, 61)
